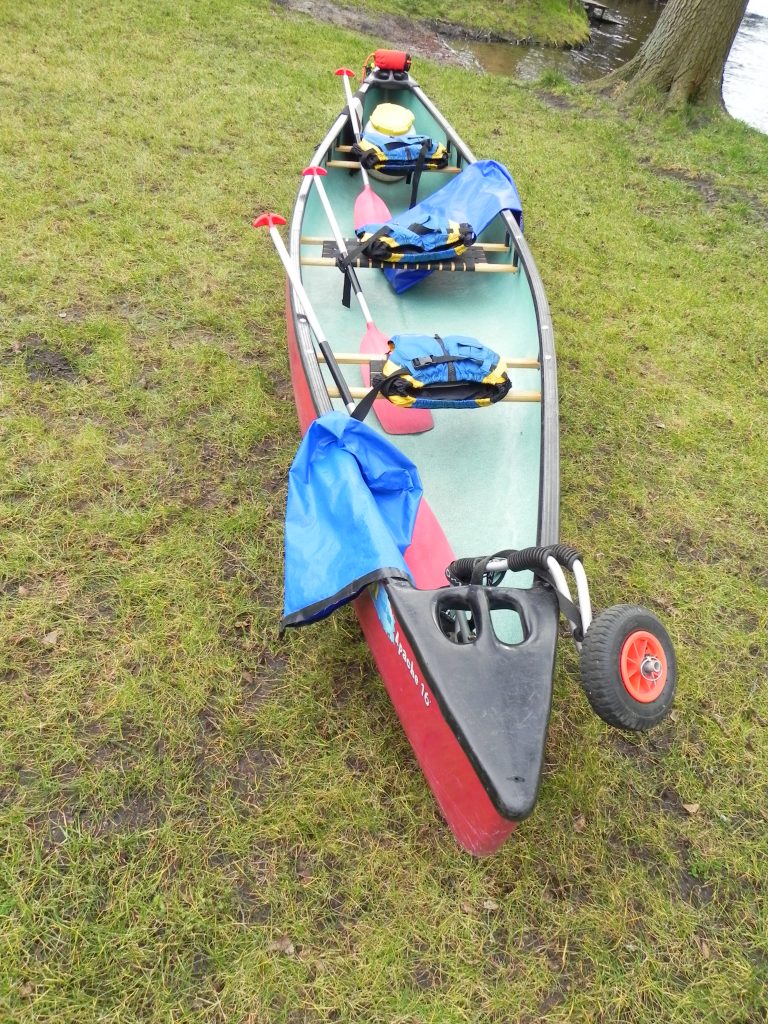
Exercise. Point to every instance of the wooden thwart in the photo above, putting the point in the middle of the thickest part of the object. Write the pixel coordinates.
(484, 246)
(354, 165)
(513, 396)
(460, 264)
(352, 358)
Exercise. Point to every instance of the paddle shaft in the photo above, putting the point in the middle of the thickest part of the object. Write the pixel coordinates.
(341, 246)
(314, 323)
(355, 126)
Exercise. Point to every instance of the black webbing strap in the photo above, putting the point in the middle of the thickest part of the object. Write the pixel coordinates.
(571, 611)
(420, 160)
(359, 249)
(346, 294)
(364, 406)
(421, 361)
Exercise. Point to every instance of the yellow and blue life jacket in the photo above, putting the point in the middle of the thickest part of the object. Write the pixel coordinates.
(399, 154)
(427, 239)
(423, 372)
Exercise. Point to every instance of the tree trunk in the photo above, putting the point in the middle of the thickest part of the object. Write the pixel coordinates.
(684, 57)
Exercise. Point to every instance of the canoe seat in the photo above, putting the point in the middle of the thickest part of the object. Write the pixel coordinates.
(474, 259)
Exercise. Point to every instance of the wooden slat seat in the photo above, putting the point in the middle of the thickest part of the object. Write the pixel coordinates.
(473, 260)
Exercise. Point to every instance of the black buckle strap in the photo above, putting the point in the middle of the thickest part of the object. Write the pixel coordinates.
(364, 406)
(346, 261)
(420, 161)
(421, 361)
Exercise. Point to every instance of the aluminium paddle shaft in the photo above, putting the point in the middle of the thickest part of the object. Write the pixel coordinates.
(369, 207)
(317, 174)
(271, 221)
(345, 74)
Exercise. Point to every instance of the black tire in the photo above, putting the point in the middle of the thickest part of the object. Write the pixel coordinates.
(601, 669)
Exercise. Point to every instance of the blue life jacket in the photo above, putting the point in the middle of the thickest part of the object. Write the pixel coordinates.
(423, 372)
(425, 239)
(399, 154)
(477, 195)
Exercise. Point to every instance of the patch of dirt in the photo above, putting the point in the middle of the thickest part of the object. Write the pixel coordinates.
(563, 890)
(556, 101)
(693, 890)
(357, 765)
(672, 803)
(137, 814)
(556, 995)
(116, 745)
(628, 748)
(425, 976)
(73, 314)
(703, 183)
(259, 347)
(252, 907)
(423, 39)
(263, 584)
(254, 773)
(42, 362)
(257, 688)
(711, 193)
(259, 682)
(687, 545)
(52, 827)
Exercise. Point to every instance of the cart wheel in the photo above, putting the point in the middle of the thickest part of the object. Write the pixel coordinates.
(628, 668)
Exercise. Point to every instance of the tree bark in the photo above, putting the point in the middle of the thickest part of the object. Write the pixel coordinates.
(684, 57)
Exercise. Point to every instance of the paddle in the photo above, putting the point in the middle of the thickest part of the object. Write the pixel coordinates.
(429, 551)
(393, 419)
(271, 221)
(369, 208)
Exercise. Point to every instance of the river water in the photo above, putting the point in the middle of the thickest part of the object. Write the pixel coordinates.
(745, 86)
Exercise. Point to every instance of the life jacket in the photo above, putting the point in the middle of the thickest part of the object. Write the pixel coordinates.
(425, 240)
(423, 372)
(389, 145)
(399, 154)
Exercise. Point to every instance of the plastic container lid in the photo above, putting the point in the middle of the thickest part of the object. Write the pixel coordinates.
(391, 119)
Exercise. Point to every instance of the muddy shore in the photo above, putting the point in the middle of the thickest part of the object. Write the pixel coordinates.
(422, 38)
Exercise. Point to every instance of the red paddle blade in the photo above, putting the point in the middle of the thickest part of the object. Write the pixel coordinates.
(393, 419)
(370, 209)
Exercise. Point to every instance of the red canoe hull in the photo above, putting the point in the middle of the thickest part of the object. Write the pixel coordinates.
(477, 825)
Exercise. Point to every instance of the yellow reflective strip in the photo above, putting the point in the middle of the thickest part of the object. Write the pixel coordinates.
(493, 378)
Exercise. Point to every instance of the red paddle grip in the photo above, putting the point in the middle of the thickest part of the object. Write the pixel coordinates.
(268, 220)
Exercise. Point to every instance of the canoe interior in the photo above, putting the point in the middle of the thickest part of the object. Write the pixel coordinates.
(480, 468)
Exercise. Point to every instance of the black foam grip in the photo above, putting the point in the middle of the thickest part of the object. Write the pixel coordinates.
(565, 555)
(528, 558)
(461, 570)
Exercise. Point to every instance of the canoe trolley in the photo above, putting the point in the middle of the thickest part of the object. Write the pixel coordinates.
(390, 486)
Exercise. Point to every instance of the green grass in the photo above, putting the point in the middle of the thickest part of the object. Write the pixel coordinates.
(202, 824)
(551, 22)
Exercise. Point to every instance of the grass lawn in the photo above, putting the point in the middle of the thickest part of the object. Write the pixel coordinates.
(200, 823)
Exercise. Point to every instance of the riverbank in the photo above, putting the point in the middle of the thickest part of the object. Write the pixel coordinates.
(424, 27)
(204, 824)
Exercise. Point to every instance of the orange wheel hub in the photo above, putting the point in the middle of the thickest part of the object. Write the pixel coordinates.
(643, 666)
